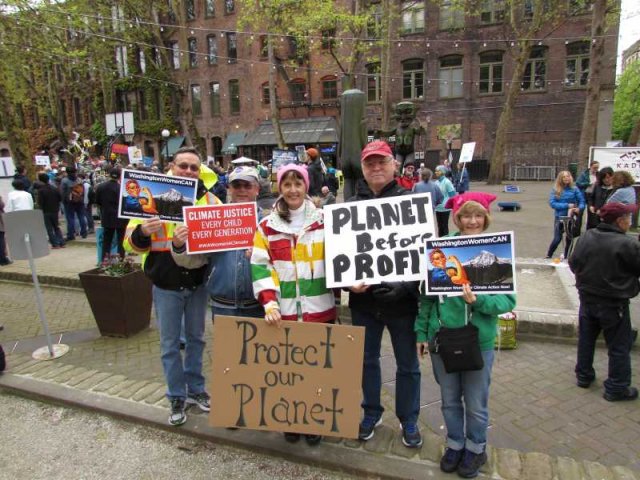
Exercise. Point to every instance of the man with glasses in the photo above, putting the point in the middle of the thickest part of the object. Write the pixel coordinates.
(606, 263)
(393, 305)
(230, 285)
(177, 292)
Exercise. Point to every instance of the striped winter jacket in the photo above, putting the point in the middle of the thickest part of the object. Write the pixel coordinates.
(289, 268)
(157, 260)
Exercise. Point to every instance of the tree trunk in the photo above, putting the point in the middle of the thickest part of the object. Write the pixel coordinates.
(17, 139)
(385, 64)
(634, 136)
(496, 170)
(592, 106)
(273, 106)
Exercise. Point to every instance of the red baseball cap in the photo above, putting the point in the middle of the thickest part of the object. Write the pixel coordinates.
(377, 147)
(610, 212)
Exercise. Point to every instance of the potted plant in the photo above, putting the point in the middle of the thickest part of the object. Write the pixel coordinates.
(119, 294)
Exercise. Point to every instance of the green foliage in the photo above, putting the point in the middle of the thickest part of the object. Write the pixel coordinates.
(98, 132)
(626, 103)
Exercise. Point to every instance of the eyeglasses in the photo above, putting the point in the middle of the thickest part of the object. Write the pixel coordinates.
(188, 166)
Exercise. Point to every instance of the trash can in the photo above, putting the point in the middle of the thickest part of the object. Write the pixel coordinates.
(573, 168)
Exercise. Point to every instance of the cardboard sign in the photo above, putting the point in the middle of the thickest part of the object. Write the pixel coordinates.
(377, 240)
(466, 153)
(147, 194)
(486, 262)
(42, 160)
(135, 155)
(216, 228)
(302, 377)
(627, 158)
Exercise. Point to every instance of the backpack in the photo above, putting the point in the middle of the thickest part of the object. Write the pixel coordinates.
(76, 193)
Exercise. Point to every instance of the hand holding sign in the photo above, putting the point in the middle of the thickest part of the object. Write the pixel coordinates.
(180, 236)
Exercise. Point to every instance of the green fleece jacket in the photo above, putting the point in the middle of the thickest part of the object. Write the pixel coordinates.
(483, 314)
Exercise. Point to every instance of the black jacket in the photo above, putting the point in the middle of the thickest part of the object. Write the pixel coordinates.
(316, 178)
(107, 198)
(606, 263)
(48, 198)
(406, 302)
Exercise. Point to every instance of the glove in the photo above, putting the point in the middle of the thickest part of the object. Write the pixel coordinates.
(390, 292)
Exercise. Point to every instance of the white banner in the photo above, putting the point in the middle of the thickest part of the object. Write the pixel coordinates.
(377, 240)
(623, 158)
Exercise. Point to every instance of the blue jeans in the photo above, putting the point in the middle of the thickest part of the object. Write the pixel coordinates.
(615, 323)
(182, 377)
(72, 210)
(465, 403)
(403, 339)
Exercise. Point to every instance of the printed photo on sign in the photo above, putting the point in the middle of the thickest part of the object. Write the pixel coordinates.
(147, 194)
(375, 241)
(215, 228)
(486, 262)
(288, 379)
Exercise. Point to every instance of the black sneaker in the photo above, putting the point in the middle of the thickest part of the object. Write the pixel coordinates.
(411, 435)
(291, 437)
(367, 427)
(584, 382)
(470, 464)
(201, 400)
(450, 460)
(629, 393)
(313, 440)
(178, 415)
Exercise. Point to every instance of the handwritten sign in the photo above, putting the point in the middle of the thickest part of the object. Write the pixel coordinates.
(466, 154)
(216, 228)
(486, 262)
(377, 240)
(147, 194)
(302, 377)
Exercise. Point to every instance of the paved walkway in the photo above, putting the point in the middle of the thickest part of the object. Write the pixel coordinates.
(535, 406)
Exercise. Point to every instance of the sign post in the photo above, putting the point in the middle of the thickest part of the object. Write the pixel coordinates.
(27, 239)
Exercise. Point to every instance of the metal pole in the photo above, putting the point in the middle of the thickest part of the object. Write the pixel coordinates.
(36, 284)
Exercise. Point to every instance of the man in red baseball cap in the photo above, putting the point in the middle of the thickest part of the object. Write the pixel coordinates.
(606, 263)
(393, 305)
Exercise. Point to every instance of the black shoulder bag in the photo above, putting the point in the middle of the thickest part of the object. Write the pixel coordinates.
(459, 348)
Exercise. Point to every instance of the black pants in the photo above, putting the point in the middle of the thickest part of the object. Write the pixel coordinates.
(614, 322)
(442, 217)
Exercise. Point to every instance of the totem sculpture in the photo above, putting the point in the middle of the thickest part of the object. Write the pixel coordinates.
(353, 137)
(406, 131)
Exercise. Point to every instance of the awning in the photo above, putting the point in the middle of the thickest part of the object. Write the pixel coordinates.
(298, 131)
(231, 143)
(173, 144)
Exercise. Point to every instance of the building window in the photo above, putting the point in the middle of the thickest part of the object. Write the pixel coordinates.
(264, 46)
(175, 55)
(209, 8)
(373, 83)
(212, 50)
(234, 96)
(196, 100)
(142, 63)
(374, 24)
(298, 90)
(157, 56)
(491, 72)
(491, 11)
(214, 98)
(232, 47)
(330, 88)
(121, 61)
(450, 76)
(229, 6)
(190, 9)
(451, 17)
(413, 79)
(266, 99)
(530, 6)
(142, 105)
(193, 52)
(577, 66)
(328, 41)
(77, 112)
(412, 16)
(535, 71)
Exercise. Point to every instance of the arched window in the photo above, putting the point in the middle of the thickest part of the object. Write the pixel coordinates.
(298, 88)
(577, 65)
(412, 79)
(535, 71)
(373, 82)
(491, 72)
(450, 76)
(329, 87)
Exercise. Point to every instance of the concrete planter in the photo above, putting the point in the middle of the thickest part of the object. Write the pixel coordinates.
(121, 305)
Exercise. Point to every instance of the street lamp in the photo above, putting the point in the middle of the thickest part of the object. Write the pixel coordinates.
(165, 136)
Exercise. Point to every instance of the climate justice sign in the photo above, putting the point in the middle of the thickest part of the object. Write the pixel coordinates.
(288, 379)
(377, 240)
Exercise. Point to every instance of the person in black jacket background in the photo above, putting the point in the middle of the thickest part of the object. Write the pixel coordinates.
(316, 174)
(107, 198)
(48, 200)
(393, 305)
(606, 263)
